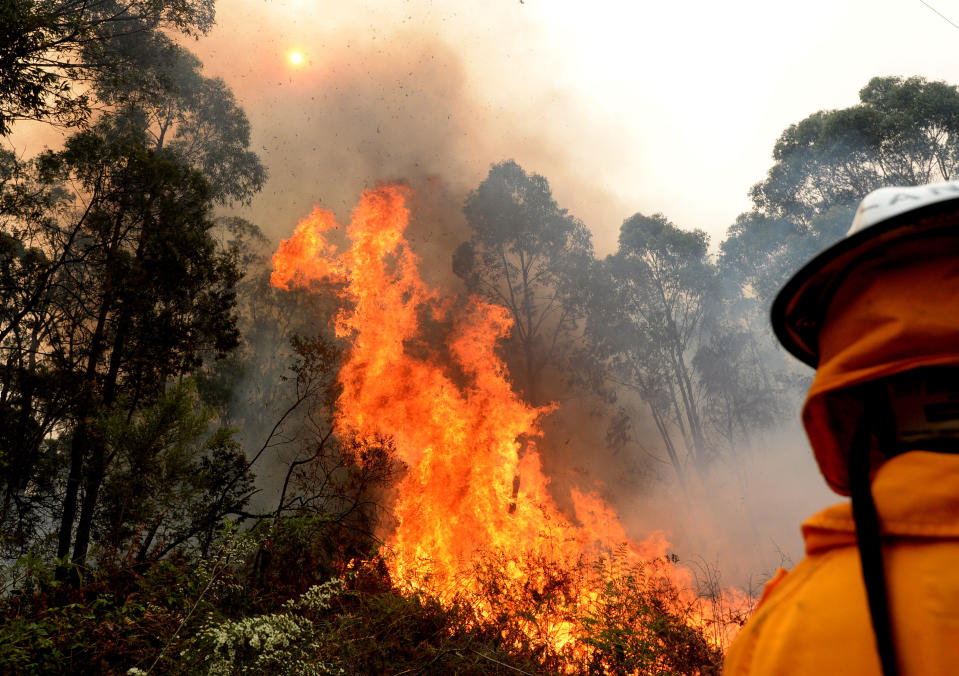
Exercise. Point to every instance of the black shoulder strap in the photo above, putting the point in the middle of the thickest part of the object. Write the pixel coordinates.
(870, 545)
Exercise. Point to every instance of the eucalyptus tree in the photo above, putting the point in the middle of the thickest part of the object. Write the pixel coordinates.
(155, 85)
(114, 283)
(740, 394)
(136, 292)
(51, 50)
(530, 256)
(651, 304)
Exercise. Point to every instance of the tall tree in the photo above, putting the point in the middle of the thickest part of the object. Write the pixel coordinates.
(50, 50)
(739, 396)
(530, 256)
(156, 86)
(171, 478)
(129, 290)
(112, 279)
(651, 303)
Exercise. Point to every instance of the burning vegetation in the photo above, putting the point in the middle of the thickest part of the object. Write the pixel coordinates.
(473, 520)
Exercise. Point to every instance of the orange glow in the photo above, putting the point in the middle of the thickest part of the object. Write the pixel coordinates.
(474, 484)
(296, 58)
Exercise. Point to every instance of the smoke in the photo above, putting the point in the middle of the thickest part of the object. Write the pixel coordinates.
(372, 105)
(744, 522)
(739, 520)
(379, 100)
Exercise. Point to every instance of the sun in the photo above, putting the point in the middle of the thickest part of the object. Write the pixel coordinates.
(296, 58)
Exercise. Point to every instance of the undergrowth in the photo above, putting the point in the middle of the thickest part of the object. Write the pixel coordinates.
(221, 615)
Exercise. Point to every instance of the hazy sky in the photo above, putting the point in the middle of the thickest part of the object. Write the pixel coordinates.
(623, 106)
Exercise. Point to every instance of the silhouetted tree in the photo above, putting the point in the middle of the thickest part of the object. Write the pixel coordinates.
(156, 86)
(133, 290)
(650, 306)
(173, 476)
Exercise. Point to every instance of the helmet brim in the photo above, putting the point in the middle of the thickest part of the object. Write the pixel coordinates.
(799, 308)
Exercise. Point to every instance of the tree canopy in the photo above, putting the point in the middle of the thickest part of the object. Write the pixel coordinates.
(904, 131)
(113, 280)
(650, 306)
(530, 256)
(51, 50)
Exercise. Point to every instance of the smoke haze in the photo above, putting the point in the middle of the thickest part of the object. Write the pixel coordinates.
(371, 105)
(374, 104)
(745, 523)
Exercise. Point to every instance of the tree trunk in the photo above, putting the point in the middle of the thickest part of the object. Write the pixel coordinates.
(687, 439)
(81, 439)
(692, 414)
(532, 393)
(98, 461)
(80, 446)
(670, 449)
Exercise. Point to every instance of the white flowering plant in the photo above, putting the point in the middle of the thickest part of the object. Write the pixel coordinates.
(273, 643)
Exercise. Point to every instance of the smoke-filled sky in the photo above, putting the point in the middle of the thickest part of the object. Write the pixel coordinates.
(623, 106)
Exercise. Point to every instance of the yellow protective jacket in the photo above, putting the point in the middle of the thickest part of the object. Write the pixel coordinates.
(815, 619)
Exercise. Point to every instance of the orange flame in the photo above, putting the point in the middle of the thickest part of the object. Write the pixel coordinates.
(474, 482)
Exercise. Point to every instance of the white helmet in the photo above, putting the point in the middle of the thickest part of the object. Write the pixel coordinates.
(885, 216)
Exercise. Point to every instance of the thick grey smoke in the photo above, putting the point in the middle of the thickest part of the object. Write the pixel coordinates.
(740, 521)
(377, 99)
(332, 132)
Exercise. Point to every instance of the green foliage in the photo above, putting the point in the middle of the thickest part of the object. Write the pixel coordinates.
(117, 618)
(101, 626)
(599, 616)
(276, 643)
(214, 615)
(639, 625)
(130, 290)
(156, 86)
(373, 629)
(162, 606)
(171, 478)
(50, 48)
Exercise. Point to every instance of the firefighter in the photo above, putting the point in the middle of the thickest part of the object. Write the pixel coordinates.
(877, 316)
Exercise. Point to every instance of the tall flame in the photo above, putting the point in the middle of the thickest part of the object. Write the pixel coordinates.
(474, 482)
